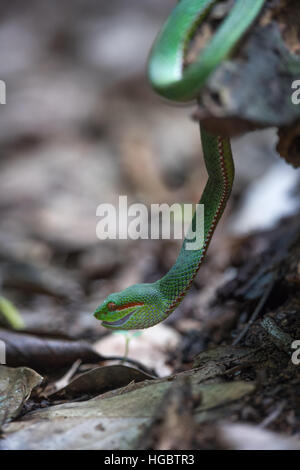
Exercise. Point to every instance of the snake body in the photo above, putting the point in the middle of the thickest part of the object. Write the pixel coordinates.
(144, 305)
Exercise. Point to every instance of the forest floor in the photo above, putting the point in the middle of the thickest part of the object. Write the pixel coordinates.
(81, 127)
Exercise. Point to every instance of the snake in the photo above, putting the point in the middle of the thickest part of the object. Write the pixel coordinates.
(144, 305)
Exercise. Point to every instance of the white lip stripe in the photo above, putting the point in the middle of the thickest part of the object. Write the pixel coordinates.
(119, 322)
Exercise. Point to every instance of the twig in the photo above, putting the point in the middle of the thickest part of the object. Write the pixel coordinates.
(256, 312)
(63, 382)
(273, 416)
(130, 361)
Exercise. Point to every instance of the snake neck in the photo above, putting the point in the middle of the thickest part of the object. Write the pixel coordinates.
(219, 164)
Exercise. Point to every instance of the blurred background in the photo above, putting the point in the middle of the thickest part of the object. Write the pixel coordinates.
(80, 127)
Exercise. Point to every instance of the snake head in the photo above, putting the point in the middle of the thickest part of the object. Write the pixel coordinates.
(138, 306)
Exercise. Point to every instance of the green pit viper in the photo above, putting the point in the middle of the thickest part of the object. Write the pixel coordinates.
(144, 305)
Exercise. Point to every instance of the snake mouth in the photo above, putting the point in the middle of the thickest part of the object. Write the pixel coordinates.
(120, 322)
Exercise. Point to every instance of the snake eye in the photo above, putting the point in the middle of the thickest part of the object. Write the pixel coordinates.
(111, 306)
